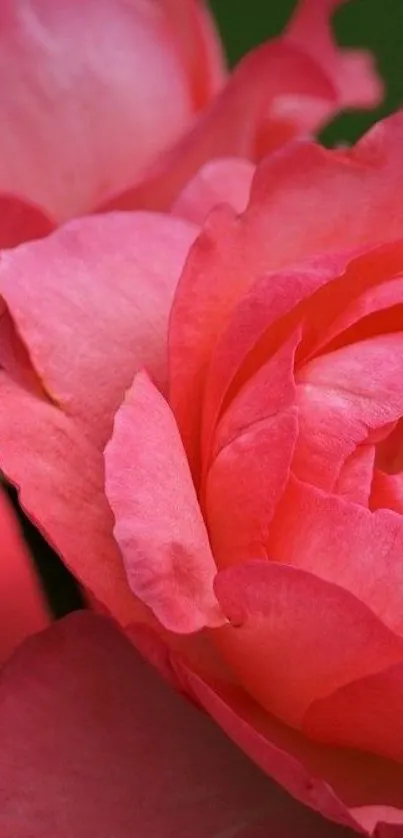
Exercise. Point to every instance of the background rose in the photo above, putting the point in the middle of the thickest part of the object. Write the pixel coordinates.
(298, 296)
(109, 103)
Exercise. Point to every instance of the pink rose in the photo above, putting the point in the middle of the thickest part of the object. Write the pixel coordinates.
(116, 103)
(254, 550)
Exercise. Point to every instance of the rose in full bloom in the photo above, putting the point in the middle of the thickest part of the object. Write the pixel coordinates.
(207, 427)
(116, 103)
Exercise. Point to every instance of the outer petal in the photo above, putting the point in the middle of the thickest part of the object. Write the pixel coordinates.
(221, 181)
(278, 91)
(159, 525)
(352, 71)
(93, 744)
(350, 787)
(21, 221)
(22, 603)
(287, 653)
(233, 122)
(91, 304)
(91, 92)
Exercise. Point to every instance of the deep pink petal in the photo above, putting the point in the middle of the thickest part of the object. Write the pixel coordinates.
(253, 448)
(93, 743)
(221, 181)
(353, 202)
(348, 786)
(365, 714)
(91, 304)
(288, 653)
(343, 543)
(159, 525)
(22, 603)
(354, 482)
(21, 221)
(92, 91)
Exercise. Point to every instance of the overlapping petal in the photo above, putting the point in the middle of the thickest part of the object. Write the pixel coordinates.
(92, 91)
(23, 608)
(93, 743)
(90, 303)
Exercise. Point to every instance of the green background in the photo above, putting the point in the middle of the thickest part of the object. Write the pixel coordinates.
(374, 24)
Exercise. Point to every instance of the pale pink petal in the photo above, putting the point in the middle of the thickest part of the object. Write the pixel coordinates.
(91, 304)
(22, 602)
(159, 525)
(227, 180)
(343, 543)
(92, 90)
(92, 743)
(295, 638)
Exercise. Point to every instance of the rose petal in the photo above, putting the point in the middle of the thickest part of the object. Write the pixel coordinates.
(61, 480)
(287, 653)
(22, 607)
(91, 93)
(159, 526)
(91, 304)
(343, 543)
(342, 397)
(339, 783)
(21, 221)
(352, 71)
(221, 181)
(232, 125)
(364, 714)
(353, 202)
(253, 449)
(93, 743)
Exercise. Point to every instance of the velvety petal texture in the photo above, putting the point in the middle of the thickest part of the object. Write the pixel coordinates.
(93, 743)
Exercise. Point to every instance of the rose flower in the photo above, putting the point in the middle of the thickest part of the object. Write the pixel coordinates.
(207, 427)
(116, 103)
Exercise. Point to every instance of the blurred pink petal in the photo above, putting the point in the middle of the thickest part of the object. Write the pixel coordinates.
(92, 743)
(93, 90)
